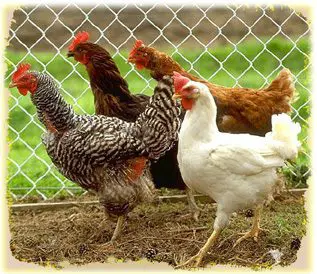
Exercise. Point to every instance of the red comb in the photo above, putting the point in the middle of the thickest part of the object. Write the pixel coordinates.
(22, 68)
(137, 45)
(179, 81)
(80, 37)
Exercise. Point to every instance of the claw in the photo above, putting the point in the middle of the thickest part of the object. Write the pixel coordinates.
(246, 235)
(254, 233)
(107, 247)
(197, 258)
(196, 214)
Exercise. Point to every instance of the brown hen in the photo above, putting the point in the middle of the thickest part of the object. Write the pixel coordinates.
(240, 110)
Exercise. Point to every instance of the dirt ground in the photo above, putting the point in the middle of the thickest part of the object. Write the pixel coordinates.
(163, 232)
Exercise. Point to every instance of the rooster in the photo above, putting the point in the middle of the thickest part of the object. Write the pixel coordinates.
(236, 170)
(113, 98)
(105, 155)
(240, 110)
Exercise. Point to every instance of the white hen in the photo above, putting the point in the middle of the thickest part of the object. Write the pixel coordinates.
(236, 170)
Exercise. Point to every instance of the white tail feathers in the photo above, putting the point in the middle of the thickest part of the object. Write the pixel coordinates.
(284, 136)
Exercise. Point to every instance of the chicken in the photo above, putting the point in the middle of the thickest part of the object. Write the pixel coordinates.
(240, 110)
(113, 98)
(111, 92)
(236, 170)
(105, 155)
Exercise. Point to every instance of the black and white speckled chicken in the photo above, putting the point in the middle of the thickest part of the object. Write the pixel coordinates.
(102, 154)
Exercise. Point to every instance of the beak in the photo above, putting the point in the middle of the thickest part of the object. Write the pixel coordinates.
(130, 59)
(12, 85)
(176, 96)
(70, 54)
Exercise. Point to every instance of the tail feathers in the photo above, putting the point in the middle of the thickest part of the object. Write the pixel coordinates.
(284, 84)
(284, 136)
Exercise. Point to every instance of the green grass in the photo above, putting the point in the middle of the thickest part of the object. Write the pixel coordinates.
(234, 67)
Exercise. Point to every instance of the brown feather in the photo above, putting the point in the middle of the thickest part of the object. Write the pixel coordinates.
(240, 110)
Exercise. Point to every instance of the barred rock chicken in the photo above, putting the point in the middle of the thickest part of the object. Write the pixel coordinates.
(236, 170)
(113, 98)
(240, 110)
(105, 155)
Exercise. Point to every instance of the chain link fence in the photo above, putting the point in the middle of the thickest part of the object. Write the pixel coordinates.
(40, 29)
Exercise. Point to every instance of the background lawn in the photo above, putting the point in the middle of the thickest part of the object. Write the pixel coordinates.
(28, 162)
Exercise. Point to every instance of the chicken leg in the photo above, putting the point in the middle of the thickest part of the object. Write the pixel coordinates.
(196, 260)
(254, 232)
(119, 227)
(192, 204)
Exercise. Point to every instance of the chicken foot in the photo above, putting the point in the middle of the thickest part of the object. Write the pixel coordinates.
(192, 204)
(254, 232)
(196, 260)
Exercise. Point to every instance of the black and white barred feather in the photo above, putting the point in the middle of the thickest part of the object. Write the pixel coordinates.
(99, 138)
(94, 150)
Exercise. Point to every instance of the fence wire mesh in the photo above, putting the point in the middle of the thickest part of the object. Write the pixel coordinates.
(43, 28)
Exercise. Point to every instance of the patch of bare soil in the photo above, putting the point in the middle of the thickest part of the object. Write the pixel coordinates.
(160, 232)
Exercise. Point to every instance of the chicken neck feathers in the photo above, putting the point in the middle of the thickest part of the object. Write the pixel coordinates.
(111, 91)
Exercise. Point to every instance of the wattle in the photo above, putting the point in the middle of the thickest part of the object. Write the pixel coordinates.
(139, 66)
(23, 91)
(187, 103)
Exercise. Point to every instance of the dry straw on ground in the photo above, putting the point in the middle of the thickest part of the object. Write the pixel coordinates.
(163, 233)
